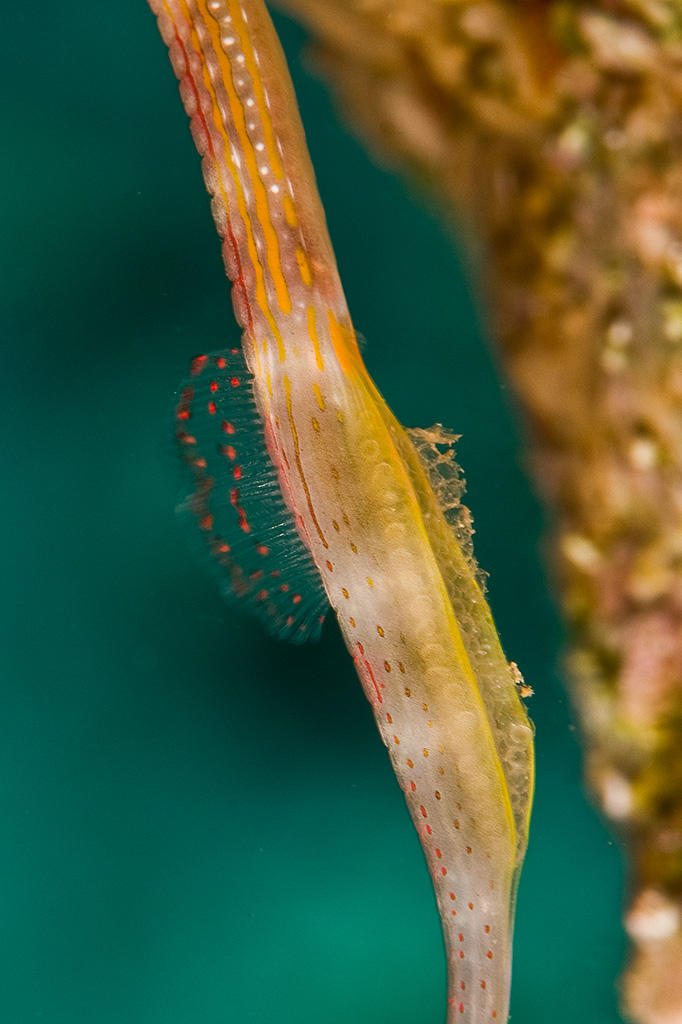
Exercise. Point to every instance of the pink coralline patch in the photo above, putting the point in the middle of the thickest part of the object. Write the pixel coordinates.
(652, 650)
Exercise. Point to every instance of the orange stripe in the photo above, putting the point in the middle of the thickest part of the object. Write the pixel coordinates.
(290, 211)
(318, 396)
(312, 331)
(345, 345)
(239, 122)
(304, 267)
(263, 106)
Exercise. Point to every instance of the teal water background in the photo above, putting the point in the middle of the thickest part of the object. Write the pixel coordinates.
(200, 825)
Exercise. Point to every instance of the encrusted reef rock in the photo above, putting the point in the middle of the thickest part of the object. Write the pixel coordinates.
(552, 131)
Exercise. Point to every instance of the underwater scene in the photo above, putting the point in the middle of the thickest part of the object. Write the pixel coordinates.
(201, 824)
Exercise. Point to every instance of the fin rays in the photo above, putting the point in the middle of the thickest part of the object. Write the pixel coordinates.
(236, 502)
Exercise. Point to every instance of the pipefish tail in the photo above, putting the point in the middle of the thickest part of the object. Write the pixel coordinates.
(307, 492)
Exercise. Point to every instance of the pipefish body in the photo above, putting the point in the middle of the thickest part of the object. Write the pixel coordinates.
(308, 492)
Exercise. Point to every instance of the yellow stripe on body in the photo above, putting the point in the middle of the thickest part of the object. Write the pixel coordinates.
(304, 267)
(251, 61)
(345, 345)
(312, 331)
(319, 397)
(290, 211)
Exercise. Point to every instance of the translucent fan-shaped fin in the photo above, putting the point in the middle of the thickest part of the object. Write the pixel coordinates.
(235, 499)
(500, 683)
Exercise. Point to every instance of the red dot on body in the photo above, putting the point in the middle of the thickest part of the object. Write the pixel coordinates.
(213, 386)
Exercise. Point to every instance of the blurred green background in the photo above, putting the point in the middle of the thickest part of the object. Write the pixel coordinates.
(200, 825)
